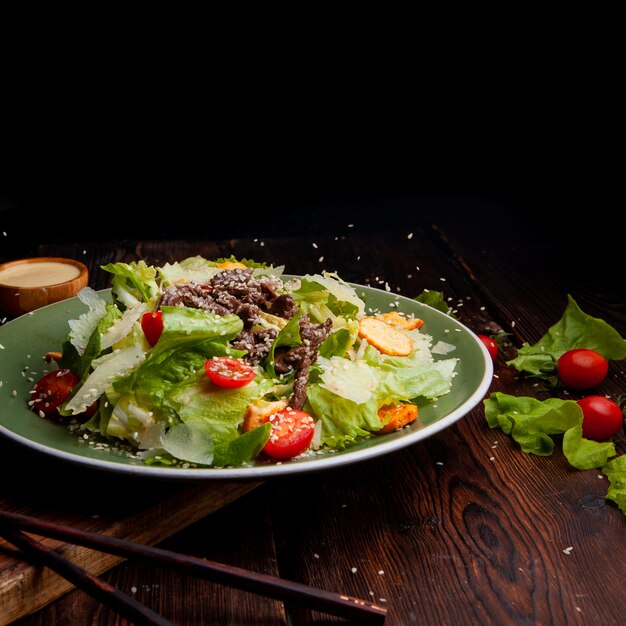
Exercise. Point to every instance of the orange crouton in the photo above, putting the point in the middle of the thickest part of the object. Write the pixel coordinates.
(384, 337)
(396, 416)
(231, 265)
(259, 413)
(395, 319)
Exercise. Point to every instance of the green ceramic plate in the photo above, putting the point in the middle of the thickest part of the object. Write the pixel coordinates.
(26, 339)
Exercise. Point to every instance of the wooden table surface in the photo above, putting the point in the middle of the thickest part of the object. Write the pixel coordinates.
(460, 529)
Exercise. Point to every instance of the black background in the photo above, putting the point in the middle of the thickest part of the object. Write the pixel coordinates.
(490, 159)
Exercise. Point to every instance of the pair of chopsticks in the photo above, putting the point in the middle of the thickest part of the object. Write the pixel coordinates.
(12, 528)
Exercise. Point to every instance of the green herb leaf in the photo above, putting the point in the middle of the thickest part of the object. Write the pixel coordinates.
(436, 300)
(575, 329)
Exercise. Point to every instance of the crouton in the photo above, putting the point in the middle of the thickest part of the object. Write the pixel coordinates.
(396, 416)
(395, 319)
(384, 337)
(260, 412)
(231, 265)
(52, 356)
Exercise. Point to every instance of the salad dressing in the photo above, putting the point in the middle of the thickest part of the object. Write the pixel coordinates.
(38, 274)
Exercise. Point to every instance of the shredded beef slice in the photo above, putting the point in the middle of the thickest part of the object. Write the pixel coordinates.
(235, 291)
(283, 306)
(300, 358)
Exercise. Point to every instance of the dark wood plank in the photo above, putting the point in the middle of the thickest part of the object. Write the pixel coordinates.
(241, 536)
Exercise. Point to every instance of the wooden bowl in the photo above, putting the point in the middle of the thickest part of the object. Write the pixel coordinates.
(28, 284)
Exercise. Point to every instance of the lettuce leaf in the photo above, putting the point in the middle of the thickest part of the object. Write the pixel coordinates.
(132, 283)
(343, 420)
(531, 422)
(615, 471)
(575, 329)
(347, 395)
(82, 329)
(324, 297)
(585, 454)
(192, 269)
(189, 338)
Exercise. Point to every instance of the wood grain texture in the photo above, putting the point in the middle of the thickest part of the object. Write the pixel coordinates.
(459, 529)
(148, 517)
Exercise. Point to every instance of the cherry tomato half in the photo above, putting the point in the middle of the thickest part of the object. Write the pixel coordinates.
(152, 326)
(602, 418)
(292, 432)
(581, 368)
(52, 390)
(230, 373)
(491, 345)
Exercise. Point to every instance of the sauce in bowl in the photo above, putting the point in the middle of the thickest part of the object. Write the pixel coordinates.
(38, 274)
(29, 284)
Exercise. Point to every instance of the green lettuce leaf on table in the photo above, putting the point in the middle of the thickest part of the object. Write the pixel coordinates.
(530, 422)
(574, 330)
(615, 471)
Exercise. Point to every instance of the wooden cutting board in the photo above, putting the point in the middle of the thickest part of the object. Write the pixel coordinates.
(137, 510)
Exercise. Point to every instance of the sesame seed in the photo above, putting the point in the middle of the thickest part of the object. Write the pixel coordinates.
(133, 589)
(314, 245)
(381, 572)
(568, 550)
(443, 280)
(353, 570)
(321, 259)
(409, 236)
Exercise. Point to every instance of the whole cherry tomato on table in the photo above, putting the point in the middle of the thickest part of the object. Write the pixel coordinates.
(602, 418)
(491, 345)
(581, 368)
(230, 373)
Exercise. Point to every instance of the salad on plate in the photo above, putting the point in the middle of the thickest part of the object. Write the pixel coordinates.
(226, 362)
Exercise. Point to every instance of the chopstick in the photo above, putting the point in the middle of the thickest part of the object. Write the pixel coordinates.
(99, 589)
(332, 603)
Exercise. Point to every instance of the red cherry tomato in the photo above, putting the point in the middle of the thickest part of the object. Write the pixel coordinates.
(491, 345)
(602, 418)
(52, 390)
(581, 368)
(152, 326)
(292, 432)
(230, 373)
